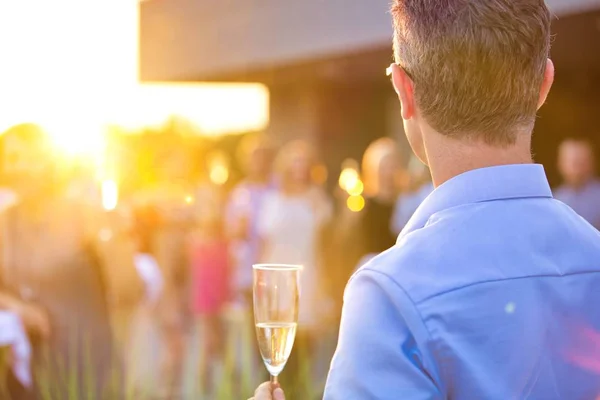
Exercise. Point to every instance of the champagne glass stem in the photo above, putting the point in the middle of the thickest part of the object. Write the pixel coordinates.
(274, 381)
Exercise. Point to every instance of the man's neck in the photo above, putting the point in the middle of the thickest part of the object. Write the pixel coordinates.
(449, 157)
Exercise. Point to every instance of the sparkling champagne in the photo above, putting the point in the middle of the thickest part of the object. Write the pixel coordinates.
(275, 340)
(276, 294)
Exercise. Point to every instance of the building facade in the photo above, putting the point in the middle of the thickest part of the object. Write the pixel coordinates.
(324, 63)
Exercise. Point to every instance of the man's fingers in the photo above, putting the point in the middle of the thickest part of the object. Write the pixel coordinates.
(268, 391)
(263, 392)
(278, 394)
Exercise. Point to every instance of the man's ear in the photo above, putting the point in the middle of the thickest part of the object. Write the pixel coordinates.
(403, 86)
(547, 83)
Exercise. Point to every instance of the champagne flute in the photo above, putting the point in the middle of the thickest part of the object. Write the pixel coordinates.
(276, 295)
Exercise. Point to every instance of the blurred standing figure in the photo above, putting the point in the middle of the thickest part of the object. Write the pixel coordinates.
(243, 212)
(290, 228)
(208, 255)
(418, 188)
(381, 173)
(50, 272)
(359, 236)
(172, 188)
(581, 188)
(144, 330)
(146, 223)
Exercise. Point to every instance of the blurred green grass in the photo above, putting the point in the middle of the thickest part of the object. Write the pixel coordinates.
(236, 375)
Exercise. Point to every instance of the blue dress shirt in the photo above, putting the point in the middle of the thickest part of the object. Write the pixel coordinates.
(585, 200)
(492, 292)
(406, 205)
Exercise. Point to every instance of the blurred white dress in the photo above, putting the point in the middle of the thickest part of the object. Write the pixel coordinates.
(145, 341)
(289, 227)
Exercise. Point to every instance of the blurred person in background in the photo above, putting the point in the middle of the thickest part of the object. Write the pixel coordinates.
(419, 186)
(50, 272)
(244, 205)
(243, 211)
(146, 222)
(382, 174)
(210, 278)
(290, 227)
(344, 248)
(581, 188)
(172, 187)
(358, 235)
(142, 348)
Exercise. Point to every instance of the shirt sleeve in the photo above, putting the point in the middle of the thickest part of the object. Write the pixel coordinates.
(379, 355)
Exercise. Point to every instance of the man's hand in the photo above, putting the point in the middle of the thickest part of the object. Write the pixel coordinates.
(266, 392)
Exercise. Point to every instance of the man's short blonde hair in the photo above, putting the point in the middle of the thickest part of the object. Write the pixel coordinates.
(477, 65)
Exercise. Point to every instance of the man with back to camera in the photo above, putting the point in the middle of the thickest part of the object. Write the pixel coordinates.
(581, 189)
(492, 289)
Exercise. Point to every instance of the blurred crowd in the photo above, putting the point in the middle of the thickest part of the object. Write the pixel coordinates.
(113, 299)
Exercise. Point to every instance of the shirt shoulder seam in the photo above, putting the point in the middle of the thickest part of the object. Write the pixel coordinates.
(418, 313)
(455, 289)
(391, 279)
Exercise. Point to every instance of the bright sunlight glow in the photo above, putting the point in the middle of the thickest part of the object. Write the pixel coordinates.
(213, 108)
(110, 195)
(61, 65)
(71, 66)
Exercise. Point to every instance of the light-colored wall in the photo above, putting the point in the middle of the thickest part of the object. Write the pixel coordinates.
(190, 39)
(187, 38)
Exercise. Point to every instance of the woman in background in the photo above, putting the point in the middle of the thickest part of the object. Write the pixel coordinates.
(145, 345)
(290, 229)
(255, 153)
(172, 188)
(210, 274)
(242, 212)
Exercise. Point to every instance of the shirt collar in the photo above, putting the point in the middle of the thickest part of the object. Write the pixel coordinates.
(480, 185)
